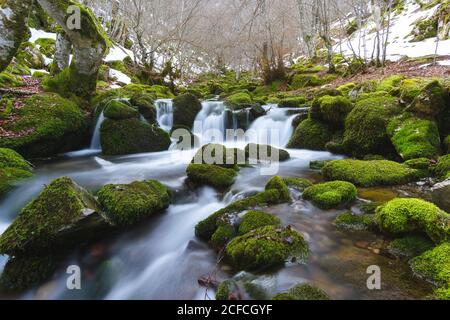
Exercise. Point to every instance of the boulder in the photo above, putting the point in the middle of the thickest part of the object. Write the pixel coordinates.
(310, 134)
(331, 194)
(211, 175)
(440, 195)
(303, 292)
(13, 168)
(263, 152)
(117, 110)
(185, 109)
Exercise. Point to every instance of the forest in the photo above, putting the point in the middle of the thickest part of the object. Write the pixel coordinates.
(270, 150)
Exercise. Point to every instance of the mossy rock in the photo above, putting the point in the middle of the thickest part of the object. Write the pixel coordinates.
(370, 173)
(303, 292)
(62, 216)
(10, 80)
(311, 134)
(266, 248)
(434, 265)
(347, 88)
(403, 216)
(47, 125)
(431, 101)
(299, 184)
(120, 137)
(145, 104)
(442, 169)
(355, 223)
(13, 169)
(239, 100)
(257, 219)
(419, 163)
(410, 89)
(365, 126)
(117, 110)
(211, 175)
(410, 246)
(128, 204)
(219, 155)
(30, 56)
(300, 81)
(391, 84)
(46, 46)
(415, 138)
(332, 110)
(331, 194)
(11, 159)
(293, 102)
(265, 153)
(185, 109)
(224, 290)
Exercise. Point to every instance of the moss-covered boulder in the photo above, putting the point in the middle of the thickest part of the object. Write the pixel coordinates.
(293, 102)
(45, 125)
(410, 246)
(119, 137)
(365, 127)
(211, 175)
(299, 184)
(117, 110)
(442, 169)
(349, 221)
(263, 152)
(30, 56)
(239, 100)
(266, 248)
(370, 173)
(431, 101)
(128, 204)
(415, 138)
(300, 81)
(13, 168)
(62, 216)
(332, 110)
(390, 84)
(257, 219)
(185, 110)
(310, 134)
(145, 104)
(46, 46)
(403, 216)
(410, 89)
(303, 292)
(331, 194)
(219, 155)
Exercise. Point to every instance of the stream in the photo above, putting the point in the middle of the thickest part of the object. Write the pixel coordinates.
(162, 259)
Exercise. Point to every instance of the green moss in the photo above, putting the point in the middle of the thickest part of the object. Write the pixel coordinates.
(331, 194)
(117, 110)
(185, 110)
(370, 173)
(365, 127)
(145, 104)
(447, 144)
(219, 155)
(10, 80)
(346, 88)
(239, 100)
(265, 153)
(431, 101)
(419, 163)
(30, 56)
(128, 204)
(434, 265)
(132, 136)
(62, 205)
(310, 134)
(354, 223)
(46, 46)
(415, 138)
(402, 216)
(224, 290)
(303, 292)
(425, 29)
(410, 246)
(298, 184)
(118, 65)
(332, 110)
(300, 81)
(257, 219)
(11, 159)
(10, 177)
(391, 83)
(224, 234)
(277, 183)
(410, 90)
(211, 175)
(266, 248)
(46, 124)
(293, 102)
(442, 169)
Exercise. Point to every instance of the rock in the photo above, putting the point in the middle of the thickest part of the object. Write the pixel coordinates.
(317, 165)
(13, 168)
(431, 101)
(257, 111)
(310, 134)
(211, 175)
(293, 102)
(331, 194)
(298, 184)
(434, 265)
(117, 110)
(265, 248)
(185, 110)
(240, 100)
(265, 153)
(409, 247)
(120, 137)
(440, 195)
(30, 56)
(355, 223)
(332, 110)
(54, 221)
(442, 169)
(257, 219)
(145, 104)
(128, 204)
(219, 155)
(303, 292)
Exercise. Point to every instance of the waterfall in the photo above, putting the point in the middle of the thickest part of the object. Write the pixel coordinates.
(164, 116)
(95, 142)
(210, 123)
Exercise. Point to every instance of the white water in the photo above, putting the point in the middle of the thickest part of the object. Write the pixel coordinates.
(95, 142)
(164, 116)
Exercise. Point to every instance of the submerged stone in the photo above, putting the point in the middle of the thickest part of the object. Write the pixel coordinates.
(303, 292)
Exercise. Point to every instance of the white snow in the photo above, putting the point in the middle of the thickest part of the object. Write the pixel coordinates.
(120, 76)
(118, 53)
(38, 34)
(37, 70)
(399, 39)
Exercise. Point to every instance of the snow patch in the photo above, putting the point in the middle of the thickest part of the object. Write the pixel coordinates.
(118, 53)
(120, 76)
(38, 34)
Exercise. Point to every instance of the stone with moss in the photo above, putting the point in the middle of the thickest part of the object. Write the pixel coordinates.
(211, 175)
(434, 265)
(120, 137)
(331, 194)
(13, 169)
(365, 126)
(262, 152)
(303, 292)
(431, 101)
(239, 100)
(46, 125)
(30, 56)
(403, 216)
(128, 204)
(145, 104)
(351, 222)
(185, 109)
(266, 248)
(347, 88)
(61, 217)
(299, 184)
(311, 134)
(391, 83)
(415, 138)
(332, 110)
(46, 46)
(410, 246)
(370, 173)
(8, 79)
(300, 81)
(293, 102)
(219, 155)
(224, 290)
(257, 219)
(410, 89)
(442, 169)
(419, 163)
(117, 110)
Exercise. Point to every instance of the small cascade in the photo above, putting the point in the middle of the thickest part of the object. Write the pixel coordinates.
(210, 124)
(164, 116)
(95, 142)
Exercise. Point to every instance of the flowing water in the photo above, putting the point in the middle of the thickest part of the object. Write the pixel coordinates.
(162, 259)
